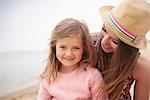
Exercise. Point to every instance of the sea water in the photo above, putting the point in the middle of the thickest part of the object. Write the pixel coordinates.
(19, 69)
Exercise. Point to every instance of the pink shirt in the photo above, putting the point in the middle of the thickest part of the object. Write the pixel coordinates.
(76, 85)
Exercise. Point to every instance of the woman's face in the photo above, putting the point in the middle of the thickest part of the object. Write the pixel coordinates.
(109, 41)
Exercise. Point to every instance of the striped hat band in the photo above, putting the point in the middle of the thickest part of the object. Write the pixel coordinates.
(122, 32)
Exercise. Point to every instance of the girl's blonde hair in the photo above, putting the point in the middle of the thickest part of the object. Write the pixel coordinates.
(67, 28)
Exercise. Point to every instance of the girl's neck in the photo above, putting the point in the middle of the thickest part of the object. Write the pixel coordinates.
(66, 69)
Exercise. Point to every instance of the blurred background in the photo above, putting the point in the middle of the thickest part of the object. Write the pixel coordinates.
(24, 37)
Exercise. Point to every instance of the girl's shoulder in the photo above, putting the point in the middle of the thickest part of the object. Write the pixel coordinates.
(142, 67)
(91, 69)
(93, 76)
(93, 72)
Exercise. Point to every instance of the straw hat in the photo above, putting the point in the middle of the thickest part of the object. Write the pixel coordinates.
(129, 20)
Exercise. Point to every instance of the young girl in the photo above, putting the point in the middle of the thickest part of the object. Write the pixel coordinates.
(123, 34)
(68, 74)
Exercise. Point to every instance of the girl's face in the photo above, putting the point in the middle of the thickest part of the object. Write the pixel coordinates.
(109, 41)
(69, 51)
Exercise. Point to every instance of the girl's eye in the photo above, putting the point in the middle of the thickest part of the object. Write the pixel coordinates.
(115, 42)
(62, 47)
(76, 48)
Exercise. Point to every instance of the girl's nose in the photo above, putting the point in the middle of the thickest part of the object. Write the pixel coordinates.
(69, 53)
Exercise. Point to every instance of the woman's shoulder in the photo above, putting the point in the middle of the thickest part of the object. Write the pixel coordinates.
(95, 36)
(143, 62)
(142, 67)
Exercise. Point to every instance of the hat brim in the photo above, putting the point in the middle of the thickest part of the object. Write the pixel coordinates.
(142, 44)
(104, 12)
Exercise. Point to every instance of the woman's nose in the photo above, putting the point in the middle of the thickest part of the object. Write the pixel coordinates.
(106, 39)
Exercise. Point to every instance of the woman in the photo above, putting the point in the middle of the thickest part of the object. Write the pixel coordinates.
(123, 34)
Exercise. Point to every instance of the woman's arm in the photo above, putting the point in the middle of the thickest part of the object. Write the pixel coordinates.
(142, 77)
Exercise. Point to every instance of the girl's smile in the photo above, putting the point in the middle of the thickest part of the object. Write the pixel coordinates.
(69, 51)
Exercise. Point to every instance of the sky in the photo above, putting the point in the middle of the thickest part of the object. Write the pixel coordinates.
(26, 24)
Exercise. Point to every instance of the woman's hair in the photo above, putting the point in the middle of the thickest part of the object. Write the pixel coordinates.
(116, 67)
(67, 28)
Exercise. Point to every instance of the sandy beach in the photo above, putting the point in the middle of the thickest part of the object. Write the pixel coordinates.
(30, 92)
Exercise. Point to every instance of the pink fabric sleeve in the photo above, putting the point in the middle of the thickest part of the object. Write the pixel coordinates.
(43, 93)
(96, 83)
